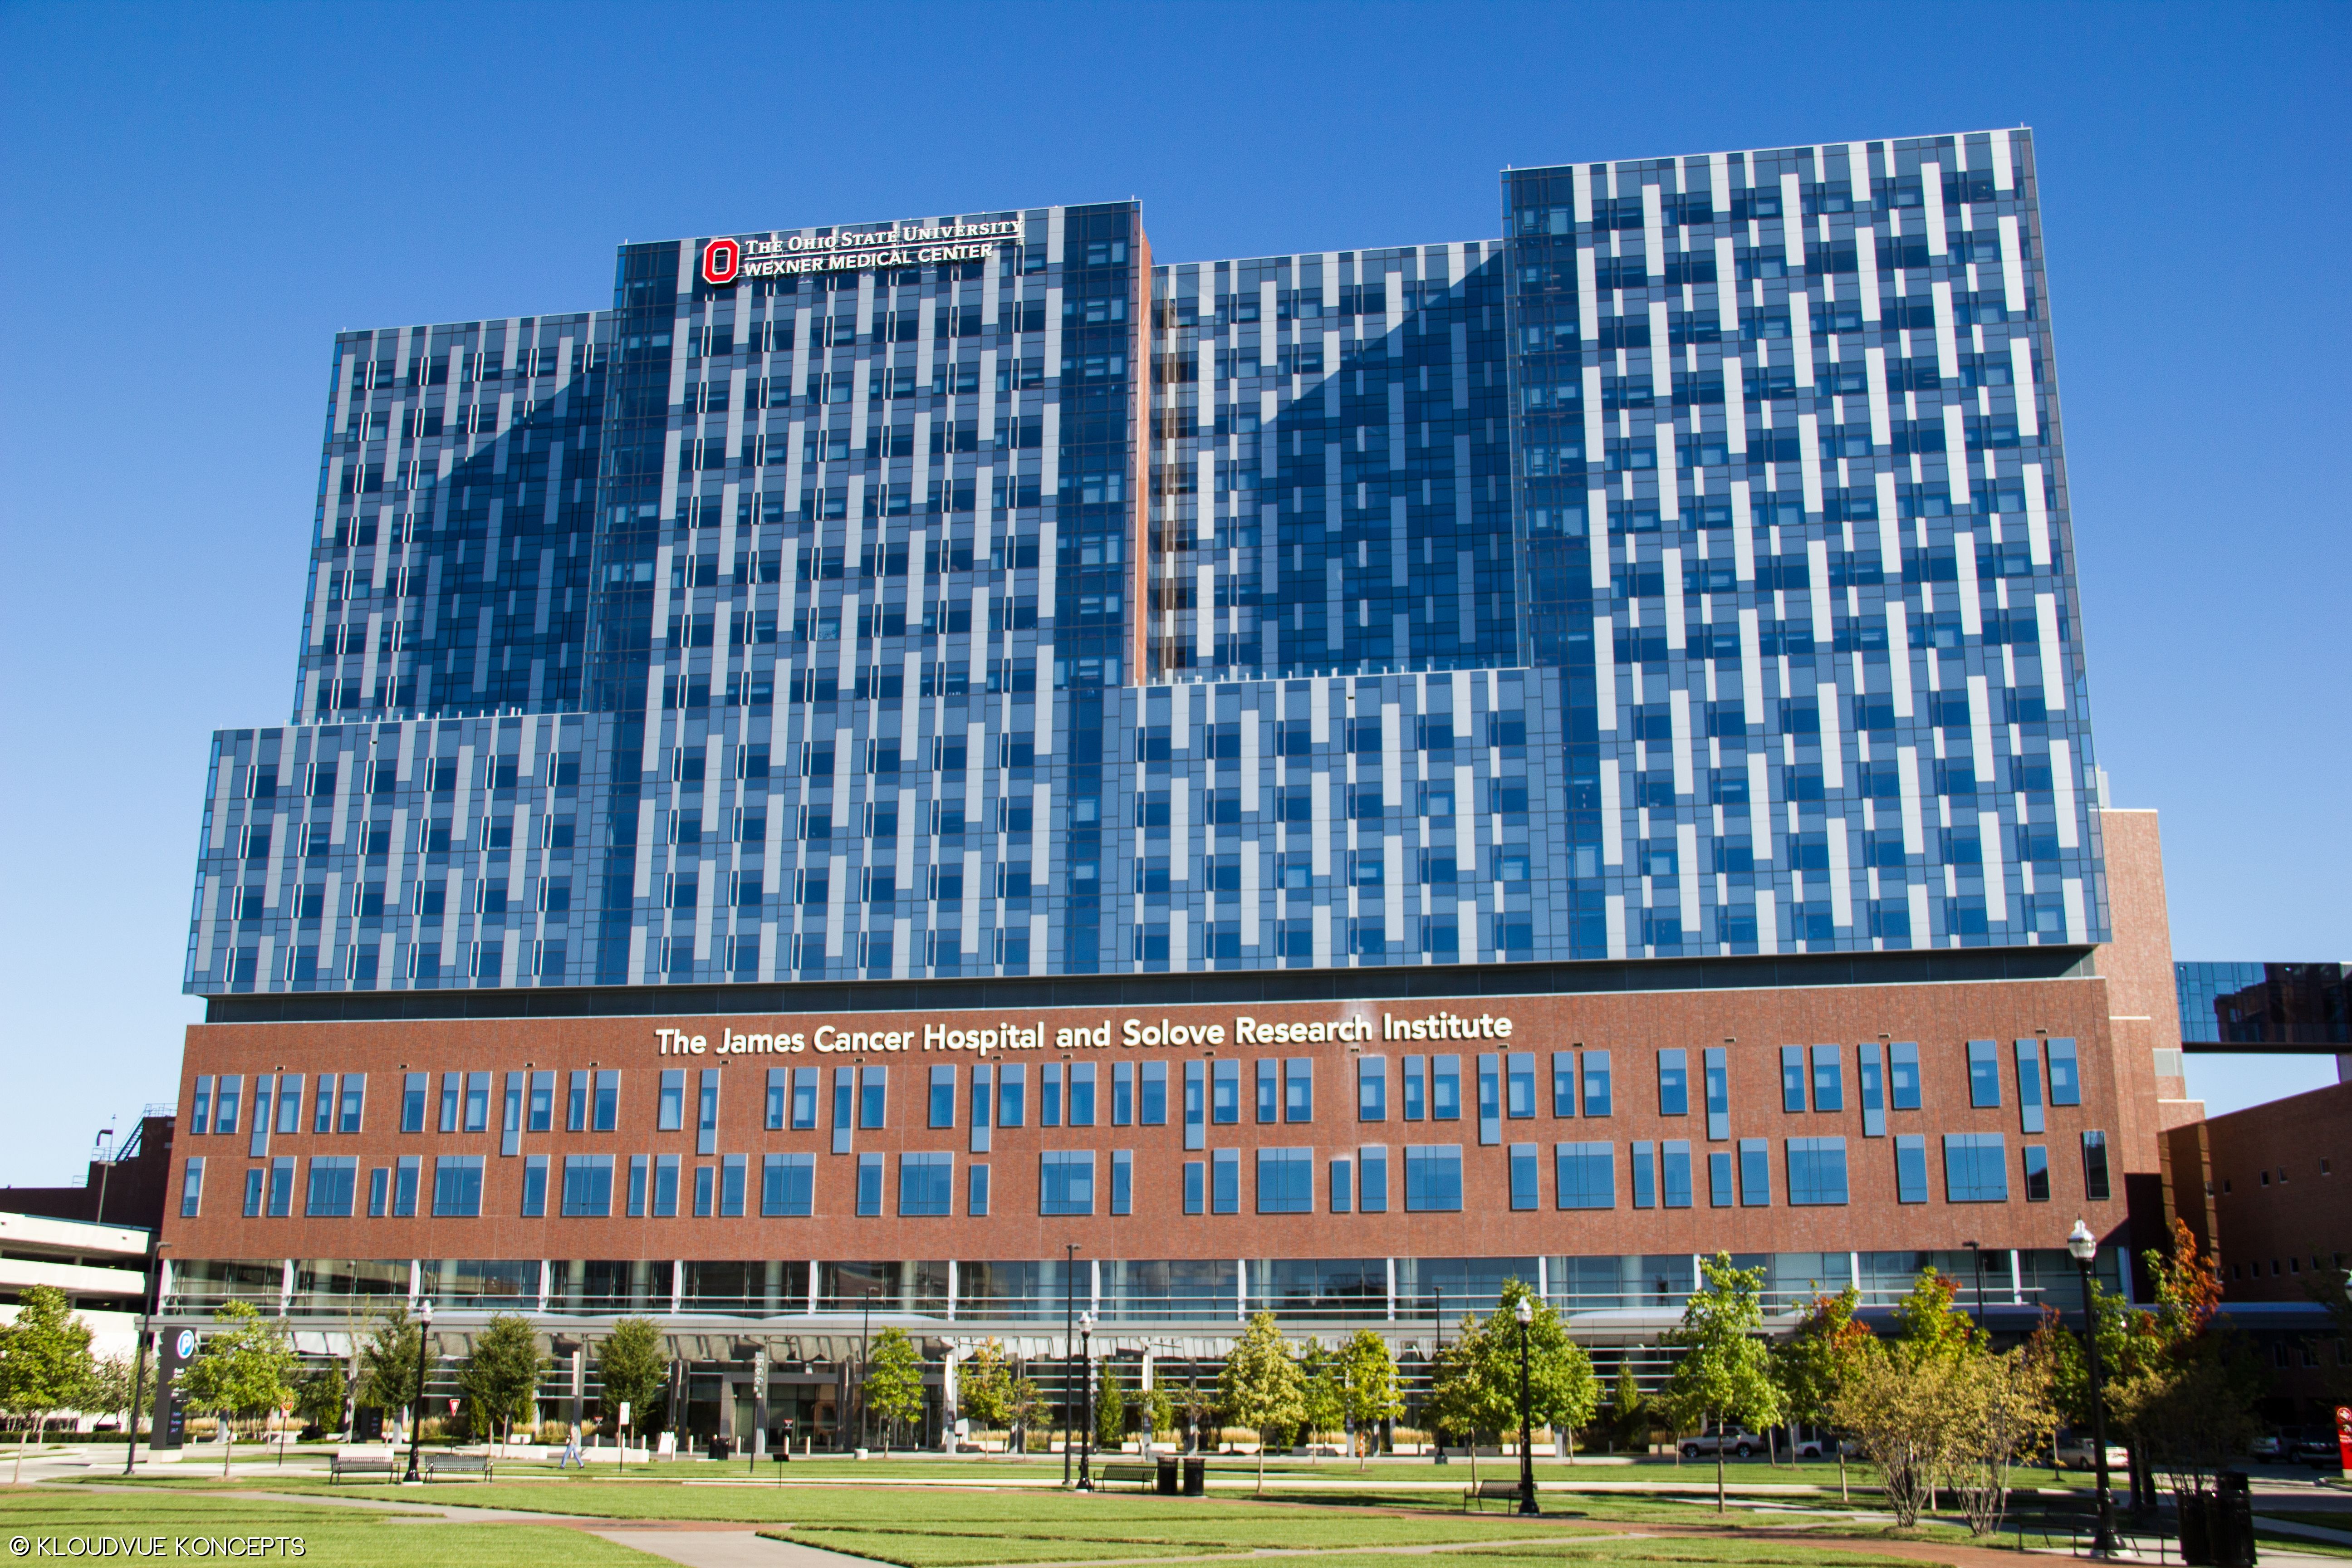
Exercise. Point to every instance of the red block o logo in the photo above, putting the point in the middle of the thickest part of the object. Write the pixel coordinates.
(721, 260)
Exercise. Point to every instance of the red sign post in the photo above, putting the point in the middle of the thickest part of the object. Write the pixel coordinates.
(2344, 1436)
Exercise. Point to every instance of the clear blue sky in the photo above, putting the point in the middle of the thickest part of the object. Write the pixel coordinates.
(198, 197)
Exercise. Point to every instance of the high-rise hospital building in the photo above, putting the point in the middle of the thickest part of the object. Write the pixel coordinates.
(1340, 778)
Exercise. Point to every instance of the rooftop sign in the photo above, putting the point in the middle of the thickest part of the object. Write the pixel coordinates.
(725, 261)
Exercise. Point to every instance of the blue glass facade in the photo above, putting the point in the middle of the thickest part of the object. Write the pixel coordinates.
(1687, 573)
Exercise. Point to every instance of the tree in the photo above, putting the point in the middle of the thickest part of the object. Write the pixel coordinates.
(1629, 1411)
(1111, 1408)
(1321, 1397)
(1725, 1372)
(319, 1395)
(985, 1387)
(1369, 1385)
(45, 1362)
(244, 1365)
(1024, 1405)
(1155, 1411)
(1194, 1406)
(501, 1377)
(388, 1360)
(894, 1380)
(632, 1367)
(2188, 1403)
(111, 1387)
(1814, 1360)
(1458, 1400)
(2002, 1409)
(1261, 1386)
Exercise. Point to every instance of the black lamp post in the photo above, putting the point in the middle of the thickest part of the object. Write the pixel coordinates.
(2085, 1246)
(149, 1301)
(1086, 1380)
(417, 1406)
(1526, 1313)
(1069, 1344)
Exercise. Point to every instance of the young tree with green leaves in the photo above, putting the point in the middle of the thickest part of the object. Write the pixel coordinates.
(244, 1364)
(501, 1379)
(894, 1380)
(985, 1387)
(633, 1368)
(1195, 1406)
(1024, 1406)
(1725, 1372)
(1460, 1400)
(45, 1362)
(1111, 1408)
(319, 1395)
(111, 1387)
(1261, 1386)
(1811, 1363)
(1155, 1411)
(1629, 1410)
(1368, 1378)
(387, 1379)
(1321, 1396)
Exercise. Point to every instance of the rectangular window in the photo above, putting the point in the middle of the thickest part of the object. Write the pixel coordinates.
(1596, 1083)
(1152, 1109)
(1903, 1074)
(1012, 1086)
(1065, 1182)
(1122, 1181)
(540, 1115)
(1674, 1174)
(639, 1168)
(780, 1094)
(844, 1106)
(334, 1179)
(804, 1086)
(534, 1186)
(1585, 1175)
(1196, 1092)
(255, 1179)
(1445, 1089)
(665, 1184)
(587, 1187)
(787, 1185)
(1645, 1175)
(353, 1102)
(1873, 1076)
(322, 1104)
(407, 1176)
(1984, 1073)
(983, 1102)
(1268, 1091)
(976, 1193)
(1082, 1094)
(1432, 1177)
(1829, 1079)
(510, 1123)
(1122, 1094)
(706, 1127)
(2066, 1072)
(201, 1109)
(1195, 1177)
(260, 1143)
(1225, 1182)
(2029, 1085)
(607, 1113)
(926, 1185)
(1298, 1088)
(575, 1101)
(706, 1191)
(943, 1096)
(1049, 1094)
(2095, 1167)
(192, 1191)
(1343, 1193)
(1285, 1180)
(1755, 1173)
(1563, 1083)
(669, 1106)
(378, 1191)
(1526, 1183)
(477, 1102)
(1976, 1168)
(1225, 1092)
(1718, 1093)
(225, 1109)
(1674, 1083)
(1519, 1085)
(2037, 1173)
(1416, 1088)
(1793, 1080)
(456, 1186)
(1816, 1172)
(1719, 1184)
(1490, 1098)
(1373, 1180)
(869, 1185)
(289, 1102)
(1371, 1089)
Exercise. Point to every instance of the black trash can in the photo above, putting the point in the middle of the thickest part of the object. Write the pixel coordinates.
(1196, 1476)
(2194, 1511)
(1168, 1479)
(2229, 1520)
(720, 1448)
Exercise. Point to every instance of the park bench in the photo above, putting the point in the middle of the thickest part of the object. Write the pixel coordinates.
(458, 1465)
(1490, 1491)
(342, 1465)
(1145, 1475)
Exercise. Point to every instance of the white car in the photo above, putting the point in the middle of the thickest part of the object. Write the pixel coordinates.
(2079, 1454)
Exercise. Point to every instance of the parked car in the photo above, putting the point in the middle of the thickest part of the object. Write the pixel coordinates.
(2080, 1454)
(2319, 1453)
(1820, 1449)
(1736, 1441)
(2270, 1445)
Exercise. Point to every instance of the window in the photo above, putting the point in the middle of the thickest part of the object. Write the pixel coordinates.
(607, 1109)
(1152, 1111)
(869, 1185)
(2095, 1167)
(1519, 1085)
(2037, 1173)
(1719, 1184)
(1342, 1192)
(1872, 1078)
(1049, 1093)
(1445, 1089)
(788, 1184)
(1122, 1094)
(1525, 1184)
(1371, 1089)
(1596, 1083)
(669, 1113)
(1490, 1098)
(255, 1179)
(2029, 1087)
(456, 1186)
(1903, 1074)
(1298, 1088)
(976, 1192)
(1373, 1180)
(1194, 1174)
(1065, 1182)
(2066, 1072)
(534, 1187)
(706, 1191)
(225, 1109)
(575, 1102)
(1563, 1083)
(333, 1180)
(1585, 1175)
(665, 1184)
(540, 1115)
(1674, 1173)
(1674, 1083)
(1984, 1073)
(200, 1109)
(453, 1096)
(926, 1185)
(1082, 1094)
(637, 1170)
(1196, 1080)
(378, 1191)
(322, 1114)
(1645, 1175)
(1829, 1079)
(1432, 1177)
(1012, 1082)
(1976, 1168)
(1793, 1080)
(1718, 1094)
(477, 1102)
(192, 1190)
(1122, 1181)
(944, 1096)
(1285, 1180)
(706, 1127)
(406, 1178)
(1416, 1088)
(804, 1083)
(289, 1102)
(588, 1186)
(779, 1097)
(1816, 1172)
(1225, 1182)
(1225, 1092)
(1268, 1091)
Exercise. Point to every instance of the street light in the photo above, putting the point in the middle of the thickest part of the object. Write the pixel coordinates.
(1526, 1313)
(1069, 1342)
(1976, 1252)
(1086, 1381)
(417, 1406)
(2085, 1246)
(150, 1300)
